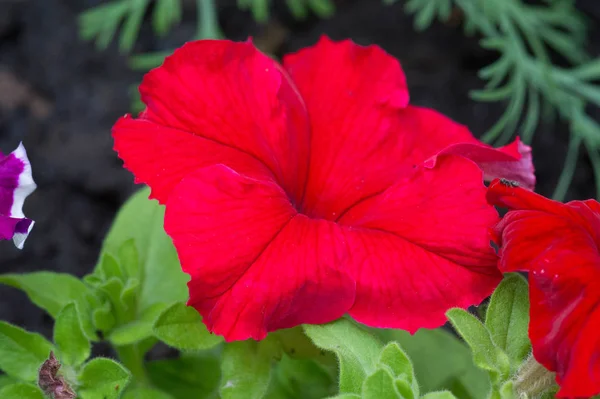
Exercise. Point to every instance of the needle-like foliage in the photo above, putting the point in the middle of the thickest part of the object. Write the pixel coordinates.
(528, 38)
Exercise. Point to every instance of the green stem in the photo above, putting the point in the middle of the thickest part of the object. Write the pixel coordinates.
(533, 379)
(132, 358)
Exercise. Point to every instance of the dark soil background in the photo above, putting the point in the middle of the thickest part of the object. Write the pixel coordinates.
(61, 96)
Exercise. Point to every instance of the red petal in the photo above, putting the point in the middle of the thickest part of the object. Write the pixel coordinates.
(256, 265)
(440, 135)
(558, 244)
(420, 247)
(565, 314)
(160, 156)
(353, 95)
(230, 94)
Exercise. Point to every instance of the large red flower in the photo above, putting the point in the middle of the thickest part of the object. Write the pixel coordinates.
(298, 193)
(558, 244)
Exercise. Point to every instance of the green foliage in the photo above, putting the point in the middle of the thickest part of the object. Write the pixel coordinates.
(145, 393)
(190, 376)
(21, 391)
(501, 345)
(246, 368)
(298, 8)
(356, 349)
(380, 385)
(103, 378)
(73, 346)
(181, 327)
(52, 291)
(22, 352)
(524, 75)
(486, 354)
(440, 361)
(302, 379)
(507, 318)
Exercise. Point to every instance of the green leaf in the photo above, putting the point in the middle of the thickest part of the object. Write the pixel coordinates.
(302, 379)
(190, 376)
(356, 349)
(181, 327)
(129, 259)
(486, 354)
(397, 361)
(139, 329)
(296, 344)
(441, 361)
(507, 391)
(53, 291)
(103, 318)
(246, 368)
(21, 352)
(145, 393)
(346, 396)
(21, 391)
(161, 278)
(406, 389)
(73, 346)
(7, 380)
(109, 267)
(439, 395)
(102, 378)
(112, 289)
(380, 385)
(507, 318)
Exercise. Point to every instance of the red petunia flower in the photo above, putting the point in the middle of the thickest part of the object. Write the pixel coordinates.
(297, 193)
(558, 244)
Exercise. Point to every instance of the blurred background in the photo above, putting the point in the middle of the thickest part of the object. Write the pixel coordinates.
(67, 68)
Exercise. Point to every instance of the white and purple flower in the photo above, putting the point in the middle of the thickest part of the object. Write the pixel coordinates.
(16, 183)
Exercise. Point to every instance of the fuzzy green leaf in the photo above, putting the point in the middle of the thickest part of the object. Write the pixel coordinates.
(181, 327)
(356, 349)
(110, 267)
(138, 329)
(73, 346)
(397, 361)
(486, 354)
(53, 291)
(145, 393)
(296, 344)
(246, 368)
(439, 395)
(190, 376)
(380, 385)
(21, 352)
(129, 259)
(7, 380)
(103, 318)
(21, 391)
(507, 317)
(302, 379)
(441, 361)
(102, 378)
(161, 278)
